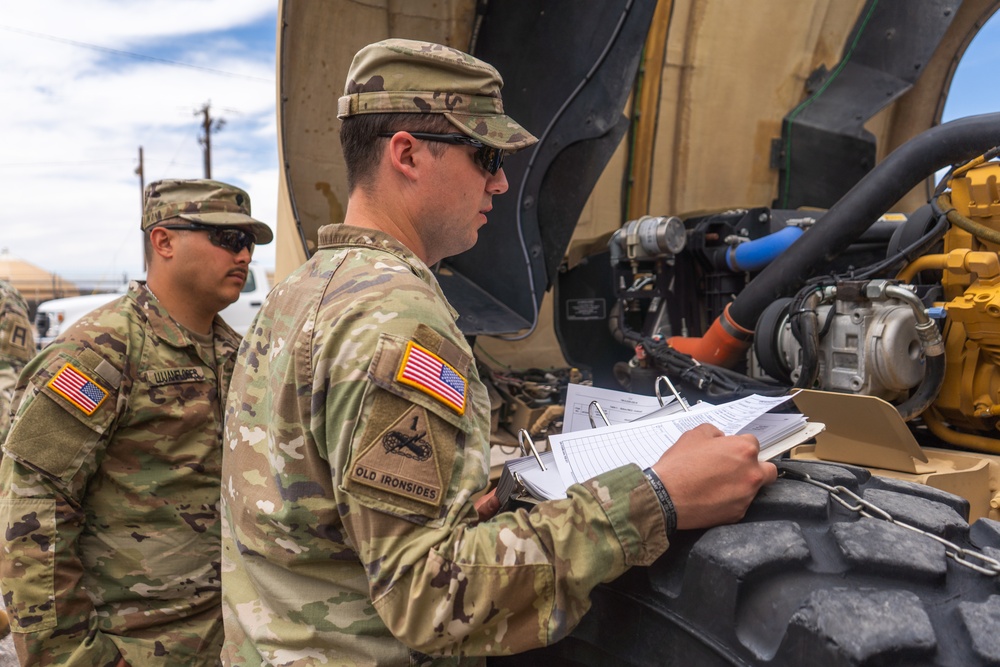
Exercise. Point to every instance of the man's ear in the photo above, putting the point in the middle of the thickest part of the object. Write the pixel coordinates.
(162, 242)
(405, 153)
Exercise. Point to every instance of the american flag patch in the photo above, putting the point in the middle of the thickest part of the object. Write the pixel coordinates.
(78, 389)
(431, 374)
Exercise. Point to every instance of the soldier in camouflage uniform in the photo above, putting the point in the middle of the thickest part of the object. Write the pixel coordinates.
(17, 347)
(357, 426)
(109, 485)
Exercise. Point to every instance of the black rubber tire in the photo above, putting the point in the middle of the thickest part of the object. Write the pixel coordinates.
(802, 581)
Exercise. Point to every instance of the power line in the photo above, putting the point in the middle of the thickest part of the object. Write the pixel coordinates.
(130, 54)
(72, 162)
(50, 164)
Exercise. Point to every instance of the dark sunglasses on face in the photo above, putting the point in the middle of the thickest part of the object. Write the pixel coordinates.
(489, 158)
(233, 239)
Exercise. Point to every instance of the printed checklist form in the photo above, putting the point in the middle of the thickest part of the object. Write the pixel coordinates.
(583, 454)
(618, 406)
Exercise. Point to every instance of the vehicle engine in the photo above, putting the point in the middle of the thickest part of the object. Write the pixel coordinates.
(907, 311)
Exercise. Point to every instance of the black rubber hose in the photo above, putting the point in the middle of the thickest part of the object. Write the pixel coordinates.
(808, 337)
(926, 392)
(941, 146)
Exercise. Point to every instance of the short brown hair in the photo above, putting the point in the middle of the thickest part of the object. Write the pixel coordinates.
(147, 246)
(362, 146)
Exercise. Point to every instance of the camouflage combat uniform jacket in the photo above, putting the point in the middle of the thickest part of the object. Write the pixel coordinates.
(109, 492)
(357, 434)
(17, 347)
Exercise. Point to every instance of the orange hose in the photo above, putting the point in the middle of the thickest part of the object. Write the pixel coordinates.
(718, 346)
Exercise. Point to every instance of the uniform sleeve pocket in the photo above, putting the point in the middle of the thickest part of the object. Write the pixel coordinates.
(46, 438)
(27, 565)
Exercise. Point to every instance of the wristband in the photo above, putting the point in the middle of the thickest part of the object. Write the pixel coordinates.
(666, 504)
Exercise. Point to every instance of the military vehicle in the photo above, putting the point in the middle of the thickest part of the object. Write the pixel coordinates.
(748, 197)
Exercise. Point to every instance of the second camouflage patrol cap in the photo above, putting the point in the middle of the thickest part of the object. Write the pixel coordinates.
(407, 76)
(202, 201)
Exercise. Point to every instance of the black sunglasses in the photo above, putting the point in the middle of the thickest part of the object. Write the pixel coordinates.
(489, 158)
(233, 239)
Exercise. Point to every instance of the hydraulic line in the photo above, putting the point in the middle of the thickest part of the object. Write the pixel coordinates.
(938, 262)
(981, 232)
(978, 443)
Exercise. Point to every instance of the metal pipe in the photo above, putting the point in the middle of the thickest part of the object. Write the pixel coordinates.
(964, 440)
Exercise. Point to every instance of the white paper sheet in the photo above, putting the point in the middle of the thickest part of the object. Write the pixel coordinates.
(620, 407)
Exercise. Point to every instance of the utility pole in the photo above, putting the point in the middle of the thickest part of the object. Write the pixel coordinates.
(208, 126)
(141, 173)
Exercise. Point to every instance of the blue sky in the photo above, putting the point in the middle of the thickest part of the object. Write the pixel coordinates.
(74, 117)
(974, 88)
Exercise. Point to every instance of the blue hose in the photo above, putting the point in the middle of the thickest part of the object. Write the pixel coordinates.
(755, 255)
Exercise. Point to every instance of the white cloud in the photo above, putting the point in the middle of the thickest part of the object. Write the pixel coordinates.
(74, 118)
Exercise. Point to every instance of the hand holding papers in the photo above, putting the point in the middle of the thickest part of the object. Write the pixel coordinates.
(587, 452)
(583, 454)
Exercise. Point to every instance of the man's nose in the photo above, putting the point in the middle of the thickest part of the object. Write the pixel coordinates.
(497, 183)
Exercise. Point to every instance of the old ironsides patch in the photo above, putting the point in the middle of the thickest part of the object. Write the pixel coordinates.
(402, 461)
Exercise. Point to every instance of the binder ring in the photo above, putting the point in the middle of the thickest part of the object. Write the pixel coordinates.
(523, 435)
(600, 411)
(673, 390)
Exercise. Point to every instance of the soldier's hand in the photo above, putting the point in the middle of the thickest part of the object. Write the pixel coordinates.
(712, 477)
(121, 662)
(487, 505)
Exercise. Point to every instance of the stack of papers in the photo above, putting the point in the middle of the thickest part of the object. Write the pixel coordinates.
(581, 454)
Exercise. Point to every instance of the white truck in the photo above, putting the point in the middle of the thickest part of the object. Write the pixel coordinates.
(57, 315)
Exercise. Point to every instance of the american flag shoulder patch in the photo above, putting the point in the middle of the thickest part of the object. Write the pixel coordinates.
(80, 390)
(432, 375)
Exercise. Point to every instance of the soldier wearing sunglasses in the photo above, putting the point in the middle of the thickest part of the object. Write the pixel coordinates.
(358, 429)
(109, 486)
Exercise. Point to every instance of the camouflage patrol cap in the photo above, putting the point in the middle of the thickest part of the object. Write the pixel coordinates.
(202, 201)
(406, 76)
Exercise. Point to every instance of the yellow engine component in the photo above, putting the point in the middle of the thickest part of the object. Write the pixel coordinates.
(970, 397)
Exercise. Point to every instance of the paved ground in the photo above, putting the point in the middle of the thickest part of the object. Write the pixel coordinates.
(8, 658)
